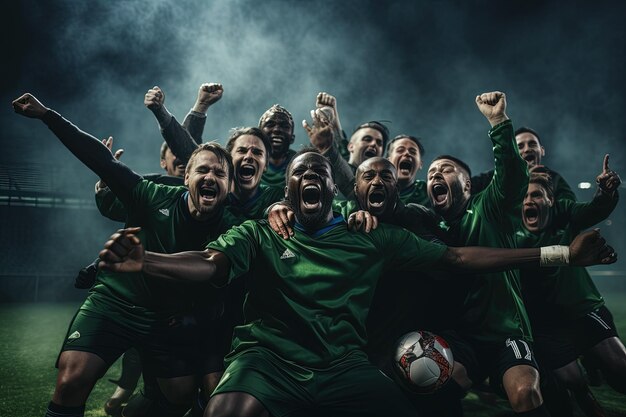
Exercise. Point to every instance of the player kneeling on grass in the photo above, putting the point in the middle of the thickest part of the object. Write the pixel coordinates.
(567, 312)
(301, 348)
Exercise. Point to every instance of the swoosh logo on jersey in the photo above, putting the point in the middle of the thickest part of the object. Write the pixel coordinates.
(164, 212)
(74, 335)
(287, 254)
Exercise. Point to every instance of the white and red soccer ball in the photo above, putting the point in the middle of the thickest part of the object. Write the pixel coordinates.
(422, 362)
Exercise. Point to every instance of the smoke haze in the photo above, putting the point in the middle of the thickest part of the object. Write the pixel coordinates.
(418, 65)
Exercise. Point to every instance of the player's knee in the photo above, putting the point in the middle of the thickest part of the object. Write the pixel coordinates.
(234, 405)
(524, 397)
(72, 387)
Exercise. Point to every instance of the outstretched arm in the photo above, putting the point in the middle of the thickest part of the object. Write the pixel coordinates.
(178, 139)
(586, 249)
(89, 150)
(123, 252)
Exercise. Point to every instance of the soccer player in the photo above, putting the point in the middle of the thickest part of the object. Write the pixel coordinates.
(250, 149)
(124, 310)
(276, 123)
(532, 151)
(567, 313)
(301, 349)
(405, 151)
(492, 337)
(111, 207)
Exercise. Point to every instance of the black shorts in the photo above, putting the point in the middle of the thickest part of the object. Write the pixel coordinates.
(216, 324)
(489, 360)
(558, 345)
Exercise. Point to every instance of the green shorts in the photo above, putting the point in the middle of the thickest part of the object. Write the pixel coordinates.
(168, 347)
(352, 387)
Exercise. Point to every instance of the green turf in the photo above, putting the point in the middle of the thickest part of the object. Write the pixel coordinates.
(31, 335)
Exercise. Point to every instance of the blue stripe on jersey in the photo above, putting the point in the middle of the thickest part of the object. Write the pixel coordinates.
(316, 233)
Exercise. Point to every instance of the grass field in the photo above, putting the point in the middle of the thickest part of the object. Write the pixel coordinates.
(31, 335)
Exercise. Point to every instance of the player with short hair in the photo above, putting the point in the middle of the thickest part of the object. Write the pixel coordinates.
(567, 312)
(492, 336)
(301, 348)
(532, 151)
(406, 153)
(124, 310)
(250, 147)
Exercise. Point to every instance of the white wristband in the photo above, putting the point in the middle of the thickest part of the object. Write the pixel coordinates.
(556, 255)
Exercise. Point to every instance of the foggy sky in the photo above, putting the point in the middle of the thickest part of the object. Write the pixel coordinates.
(418, 65)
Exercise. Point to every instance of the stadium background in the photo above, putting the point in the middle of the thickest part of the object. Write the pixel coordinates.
(418, 65)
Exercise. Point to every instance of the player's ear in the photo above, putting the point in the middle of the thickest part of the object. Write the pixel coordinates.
(336, 190)
(286, 192)
(468, 185)
(163, 164)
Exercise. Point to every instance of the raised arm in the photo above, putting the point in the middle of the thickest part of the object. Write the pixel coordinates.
(586, 214)
(321, 135)
(178, 139)
(123, 252)
(510, 178)
(89, 150)
(208, 94)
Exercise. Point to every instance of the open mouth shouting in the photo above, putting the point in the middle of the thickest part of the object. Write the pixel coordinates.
(208, 194)
(440, 193)
(530, 158)
(532, 217)
(246, 173)
(405, 167)
(376, 200)
(311, 195)
(370, 152)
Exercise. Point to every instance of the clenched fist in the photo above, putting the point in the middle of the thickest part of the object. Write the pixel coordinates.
(493, 107)
(28, 105)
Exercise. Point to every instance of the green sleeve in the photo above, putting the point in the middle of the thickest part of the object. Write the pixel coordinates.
(506, 190)
(110, 206)
(344, 173)
(562, 190)
(405, 251)
(240, 245)
(344, 207)
(586, 214)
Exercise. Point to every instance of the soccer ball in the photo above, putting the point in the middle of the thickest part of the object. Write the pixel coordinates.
(422, 362)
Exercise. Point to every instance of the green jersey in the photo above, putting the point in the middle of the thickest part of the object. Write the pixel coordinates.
(416, 193)
(493, 309)
(166, 227)
(555, 294)
(255, 207)
(111, 207)
(310, 295)
(274, 175)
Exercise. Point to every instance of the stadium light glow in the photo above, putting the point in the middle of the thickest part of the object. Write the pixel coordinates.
(584, 185)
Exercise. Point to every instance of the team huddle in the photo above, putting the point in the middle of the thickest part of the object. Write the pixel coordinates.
(253, 280)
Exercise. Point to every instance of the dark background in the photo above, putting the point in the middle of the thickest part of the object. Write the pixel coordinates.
(418, 65)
